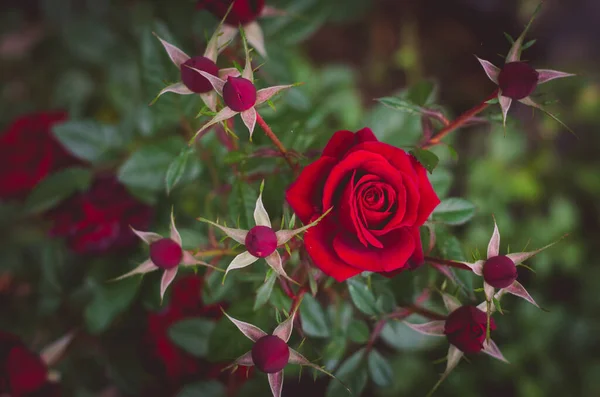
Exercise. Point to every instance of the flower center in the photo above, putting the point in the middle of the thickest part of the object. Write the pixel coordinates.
(517, 80)
(261, 241)
(239, 93)
(499, 271)
(270, 354)
(194, 80)
(165, 253)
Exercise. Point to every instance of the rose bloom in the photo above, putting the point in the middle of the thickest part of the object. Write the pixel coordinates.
(29, 152)
(380, 197)
(465, 328)
(22, 373)
(171, 365)
(242, 12)
(99, 220)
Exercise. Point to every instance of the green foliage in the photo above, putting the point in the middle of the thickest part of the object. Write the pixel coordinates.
(192, 335)
(314, 321)
(57, 187)
(454, 211)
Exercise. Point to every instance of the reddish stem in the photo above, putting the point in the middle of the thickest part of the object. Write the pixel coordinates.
(459, 121)
(269, 132)
(447, 262)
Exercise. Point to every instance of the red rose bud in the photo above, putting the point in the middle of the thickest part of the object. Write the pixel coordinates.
(194, 80)
(517, 80)
(465, 328)
(22, 373)
(499, 271)
(242, 12)
(261, 241)
(166, 253)
(239, 93)
(270, 354)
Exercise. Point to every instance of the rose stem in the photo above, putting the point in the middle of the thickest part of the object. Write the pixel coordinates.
(459, 121)
(274, 139)
(446, 262)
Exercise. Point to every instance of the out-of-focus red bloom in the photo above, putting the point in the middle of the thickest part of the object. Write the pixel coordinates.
(242, 12)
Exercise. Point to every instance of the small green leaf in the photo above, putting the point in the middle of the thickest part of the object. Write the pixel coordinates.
(427, 159)
(353, 373)
(176, 169)
(380, 369)
(497, 304)
(241, 202)
(264, 292)
(441, 180)
(363, 297)
(88, 139)
(211, 388)
(314, 321)
(192, 335)
(454, 211)
(234, 157)
(358, 331)
(109, 300)
(57, 187)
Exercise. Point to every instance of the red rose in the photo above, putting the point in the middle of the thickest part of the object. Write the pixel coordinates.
(29, 152)
(380, 197)
(242, 12)
(22, 373)
(98, 220)
(465, 328)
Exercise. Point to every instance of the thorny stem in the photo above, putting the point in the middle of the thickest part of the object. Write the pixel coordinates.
(459, 121)
(447, 262)
(269, 132)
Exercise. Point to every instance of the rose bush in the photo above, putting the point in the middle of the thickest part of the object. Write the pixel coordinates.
(380, 197)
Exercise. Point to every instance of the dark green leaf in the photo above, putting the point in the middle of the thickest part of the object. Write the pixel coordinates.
(441, 180)
(241, 203)
(264, 292)
(192, 335)
(362, 297)
(427, 159)
(353, 373)
(314, 322)
(380, 369)
(210, 388)
(57, 187)
(110, 299)
(358, 331)
(400, 104)
(454, 211)
(176, 169)
(88, 139)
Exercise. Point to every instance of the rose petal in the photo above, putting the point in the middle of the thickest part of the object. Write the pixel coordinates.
(428, 199)
(342, 141)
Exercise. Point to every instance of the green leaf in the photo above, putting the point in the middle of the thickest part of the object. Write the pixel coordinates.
(314, 322)
(497, 304)
(192, 335)
(362, 297)
(241, 203)
(400, 104)
(441, 181)
(210, 388)
(110, 299)
(427, 159)
(176, 169)
(353, 373)
(454, 211)
(147, 167)
(380, 369)
(264, 292)
(57, 187)
(358, 331)
(88, 139)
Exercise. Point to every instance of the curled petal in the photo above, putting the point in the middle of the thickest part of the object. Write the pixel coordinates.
(167, 279)
(255, 37)
(177, 88)
(146, 267)
(242, 260)
(224, 73)
(283, 236)
(450, 302)
(238, 235)
(274, 260)
(175, 236)
(245, 360)
(505, 105)
(494, 244)
(266, 93)
(261, 217)
(491, 71)
(147, 237)
(177, 56)
(476, 267)
(490, 348)
(520, 257)
(249, 119)
(210, 100)
(434, 328)
(517, 289)
(216, 82)
(51, 353)
(276, 383)
(284, 330)
(251, 332)
(546, 75)
(224, 114)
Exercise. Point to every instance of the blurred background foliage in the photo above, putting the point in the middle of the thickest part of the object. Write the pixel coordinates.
(97, 60)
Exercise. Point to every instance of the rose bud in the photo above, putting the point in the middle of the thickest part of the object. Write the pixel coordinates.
(239, 93)
(499, 271)
(166, 253)
(517, 80)
(194, 80)
(465, 328)
(261, 241)
(270, 354)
